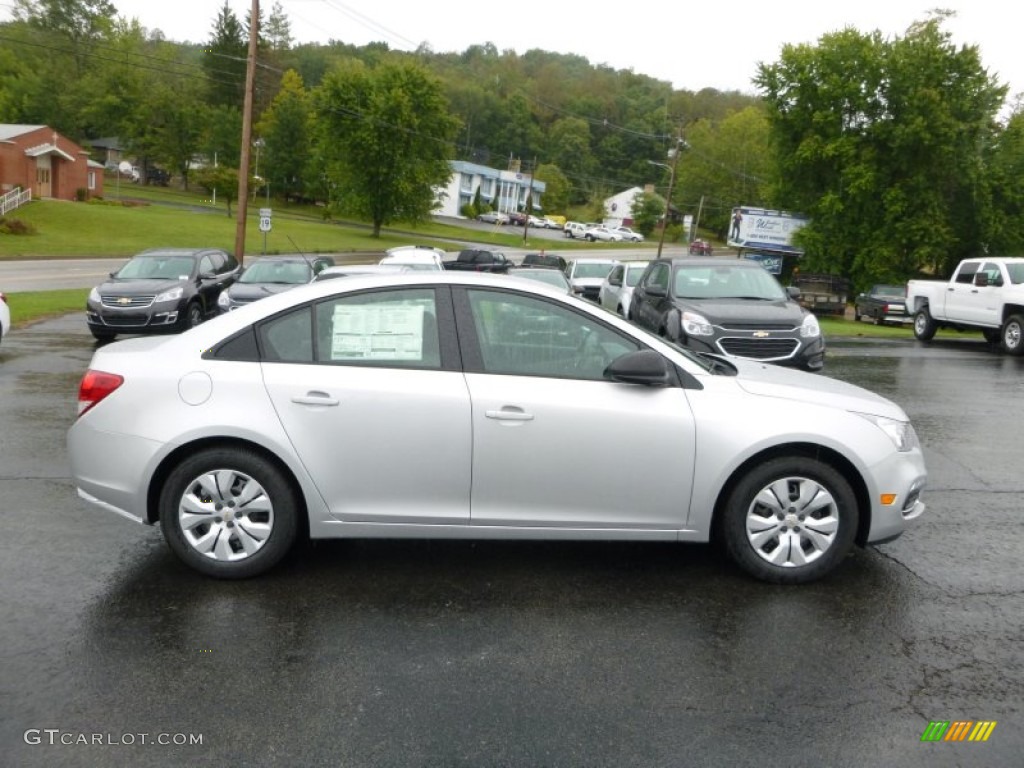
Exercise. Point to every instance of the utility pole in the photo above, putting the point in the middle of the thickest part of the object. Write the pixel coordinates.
(243, 165)
(680, 146)
(529, 201)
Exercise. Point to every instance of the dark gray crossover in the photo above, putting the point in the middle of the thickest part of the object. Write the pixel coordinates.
(727, 307)
(162, 290)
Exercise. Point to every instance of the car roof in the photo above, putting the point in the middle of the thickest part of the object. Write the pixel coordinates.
(710, 262)
(190, 252)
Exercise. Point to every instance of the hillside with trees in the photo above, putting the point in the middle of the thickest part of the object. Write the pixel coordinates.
(900, 151)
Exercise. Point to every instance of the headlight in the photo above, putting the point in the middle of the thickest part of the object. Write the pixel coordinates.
(94, 295)
(810, 329)
(172, 295)
(224, 301)
(901, 433)
(696, 325)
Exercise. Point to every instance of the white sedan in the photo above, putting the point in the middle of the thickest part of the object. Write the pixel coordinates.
(450, 405)
(603, 234)
(628, 235)
(617, 288)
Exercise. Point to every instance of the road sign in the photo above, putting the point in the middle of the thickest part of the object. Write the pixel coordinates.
(265, 214)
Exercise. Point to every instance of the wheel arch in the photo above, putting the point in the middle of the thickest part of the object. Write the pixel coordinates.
(171, 460)
(807, 450)
(1012, 309)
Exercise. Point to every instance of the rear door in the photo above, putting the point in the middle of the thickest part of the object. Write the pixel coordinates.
(368, 388)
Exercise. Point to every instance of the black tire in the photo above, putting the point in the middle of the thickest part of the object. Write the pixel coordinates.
(1012, 335)
(102, 337)
(924, 325)
(242, 514)
(796, 539)
(193, 315)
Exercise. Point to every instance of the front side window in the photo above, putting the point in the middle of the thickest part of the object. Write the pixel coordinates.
(991, 272)
(966, 273)
(658, 278)
(529, 336)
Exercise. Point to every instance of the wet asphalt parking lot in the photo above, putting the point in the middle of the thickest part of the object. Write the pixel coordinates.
(412, 653)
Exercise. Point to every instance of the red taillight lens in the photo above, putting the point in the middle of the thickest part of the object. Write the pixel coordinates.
(95, 386)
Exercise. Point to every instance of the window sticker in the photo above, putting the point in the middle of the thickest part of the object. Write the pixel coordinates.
(377, 332)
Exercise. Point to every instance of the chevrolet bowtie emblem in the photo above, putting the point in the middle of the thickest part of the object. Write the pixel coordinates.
(761, 334)
(124, 300)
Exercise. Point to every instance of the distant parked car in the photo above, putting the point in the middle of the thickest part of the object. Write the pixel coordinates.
(617, 289)
(574, 230)
(548, 260)
(546, 275)
(5, 317)
(628, 235)
(415, 257)
(701, 248)
(158, 176)
(162, 290)
(493, 217)
(883, 304)
(516, 218)
(602, 233)
(269, 275)
(587, 275)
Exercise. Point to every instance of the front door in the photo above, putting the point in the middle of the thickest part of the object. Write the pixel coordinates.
(43, 173)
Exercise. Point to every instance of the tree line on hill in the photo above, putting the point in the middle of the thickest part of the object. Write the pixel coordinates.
(902, 152)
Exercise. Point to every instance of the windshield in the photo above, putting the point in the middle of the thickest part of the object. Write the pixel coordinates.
(592, 270)
(722, 282)
(156, 268)
(285, 272)
(890, 290)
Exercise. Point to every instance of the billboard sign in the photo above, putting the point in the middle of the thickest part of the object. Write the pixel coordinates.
(764, 230)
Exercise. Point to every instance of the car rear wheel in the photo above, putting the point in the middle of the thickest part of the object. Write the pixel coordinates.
(924, 325)
(228, 513)
(1013, 335)
(790, 520)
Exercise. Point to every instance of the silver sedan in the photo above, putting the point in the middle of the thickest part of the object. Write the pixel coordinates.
(468, 406)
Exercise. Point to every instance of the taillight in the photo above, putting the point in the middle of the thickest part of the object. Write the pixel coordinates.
(95, 386)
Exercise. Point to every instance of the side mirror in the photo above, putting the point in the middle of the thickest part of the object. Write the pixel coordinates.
(793, 291)
(646, 368)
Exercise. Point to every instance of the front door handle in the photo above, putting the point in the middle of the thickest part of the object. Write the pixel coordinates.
(509, 413)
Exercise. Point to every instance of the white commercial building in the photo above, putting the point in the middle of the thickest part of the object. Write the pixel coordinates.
(505, 191)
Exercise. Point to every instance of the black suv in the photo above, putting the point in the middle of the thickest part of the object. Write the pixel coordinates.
(162, 290)
(729, 307)
(545, 260)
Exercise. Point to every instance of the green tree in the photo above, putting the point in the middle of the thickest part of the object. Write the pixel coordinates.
(220, 181)
(278, 31)
(648, 208)
(881, 142)
(386, 135)
(225, 60)
(557, 189)
(286, 130)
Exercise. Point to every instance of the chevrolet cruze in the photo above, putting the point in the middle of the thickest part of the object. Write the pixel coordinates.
(473, 406)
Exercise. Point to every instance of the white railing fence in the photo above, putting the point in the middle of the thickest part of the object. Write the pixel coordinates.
(14, 199)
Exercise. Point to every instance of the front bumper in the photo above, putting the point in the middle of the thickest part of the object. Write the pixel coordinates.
(156, 318)
(904, 476)
(779, 347)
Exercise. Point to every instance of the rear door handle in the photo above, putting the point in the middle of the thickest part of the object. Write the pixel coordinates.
(315, 398)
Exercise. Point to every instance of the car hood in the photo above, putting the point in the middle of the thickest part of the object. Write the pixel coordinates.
(134, 287)
(787, 383)
(598, 281)
(746, 311)
(254, 291)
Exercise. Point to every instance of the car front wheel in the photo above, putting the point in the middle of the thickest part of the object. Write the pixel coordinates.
(228, 512)
(790, 520)
(924, 325)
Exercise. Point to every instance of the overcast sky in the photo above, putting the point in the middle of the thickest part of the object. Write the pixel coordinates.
(693, 45)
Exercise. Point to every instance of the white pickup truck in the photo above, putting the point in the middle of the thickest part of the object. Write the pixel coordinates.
(984, 294)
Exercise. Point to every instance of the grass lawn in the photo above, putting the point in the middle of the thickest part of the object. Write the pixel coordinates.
(160, 217)
(30, 306)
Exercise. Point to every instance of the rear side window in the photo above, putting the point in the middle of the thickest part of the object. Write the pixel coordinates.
(393, 328)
